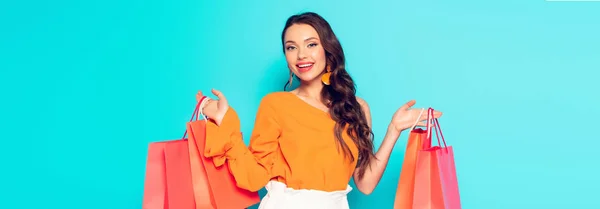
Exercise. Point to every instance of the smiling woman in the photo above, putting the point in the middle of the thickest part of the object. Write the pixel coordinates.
(295, 146)
(310, 43)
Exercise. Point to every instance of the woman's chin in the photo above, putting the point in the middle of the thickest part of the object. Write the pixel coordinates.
(310, 80)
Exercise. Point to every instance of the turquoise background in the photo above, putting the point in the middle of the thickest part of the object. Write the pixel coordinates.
(86, 85)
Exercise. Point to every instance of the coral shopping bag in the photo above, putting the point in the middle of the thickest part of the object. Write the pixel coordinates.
(405, 190)
(436, 184)
(222, 190)
(168, 183)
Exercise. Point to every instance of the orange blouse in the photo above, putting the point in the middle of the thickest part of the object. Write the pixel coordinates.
(292, 142)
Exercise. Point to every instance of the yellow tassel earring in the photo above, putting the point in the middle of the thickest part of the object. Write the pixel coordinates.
(325, 77)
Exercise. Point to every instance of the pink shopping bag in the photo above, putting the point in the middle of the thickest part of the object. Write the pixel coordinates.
(436, 184)
(447, 168)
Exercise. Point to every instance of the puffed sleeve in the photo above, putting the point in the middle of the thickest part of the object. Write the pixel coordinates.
(251, 166)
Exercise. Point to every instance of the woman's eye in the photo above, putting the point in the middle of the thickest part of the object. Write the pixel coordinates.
(312, 45)
(290, 48)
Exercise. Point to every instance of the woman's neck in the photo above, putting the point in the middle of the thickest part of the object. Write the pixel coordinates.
(310, 90)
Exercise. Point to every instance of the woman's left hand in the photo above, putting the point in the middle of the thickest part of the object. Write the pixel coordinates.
(406, 116)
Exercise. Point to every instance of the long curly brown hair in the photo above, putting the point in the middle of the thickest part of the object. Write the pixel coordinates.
(341, 93)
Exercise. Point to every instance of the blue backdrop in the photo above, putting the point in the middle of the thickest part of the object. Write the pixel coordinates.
(86, 85)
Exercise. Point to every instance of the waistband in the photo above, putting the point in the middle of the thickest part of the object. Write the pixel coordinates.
(281, 197)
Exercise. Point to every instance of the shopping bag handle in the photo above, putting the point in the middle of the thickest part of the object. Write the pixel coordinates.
(418, 119)
(436, 125)
(438, 128)
(197, 112)
(200, 107)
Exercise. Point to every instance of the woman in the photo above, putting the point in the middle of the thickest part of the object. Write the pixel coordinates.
(309, 142)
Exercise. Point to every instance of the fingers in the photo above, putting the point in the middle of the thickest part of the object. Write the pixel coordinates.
(409, 104)
(203, 104)
(219, 94)
(422, 124)
(199, 96)
(437, 114)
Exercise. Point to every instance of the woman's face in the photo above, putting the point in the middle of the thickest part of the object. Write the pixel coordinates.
(304, 53)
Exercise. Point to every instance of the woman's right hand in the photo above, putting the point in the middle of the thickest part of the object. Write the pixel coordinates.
(214, 109)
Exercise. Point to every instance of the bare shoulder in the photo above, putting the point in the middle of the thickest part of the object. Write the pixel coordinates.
(365, 108)
(363, 103)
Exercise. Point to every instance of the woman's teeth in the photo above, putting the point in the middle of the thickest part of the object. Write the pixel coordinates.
(305, 65)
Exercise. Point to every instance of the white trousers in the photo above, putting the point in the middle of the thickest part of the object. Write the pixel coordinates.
(280, 197)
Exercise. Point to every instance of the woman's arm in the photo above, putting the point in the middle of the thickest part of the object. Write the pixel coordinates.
(404, 118)
(378, 164)
(250, 166)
